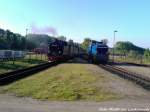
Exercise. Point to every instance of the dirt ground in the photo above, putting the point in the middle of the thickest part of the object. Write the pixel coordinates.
(116, 84)
(10, 103)
(133, 97)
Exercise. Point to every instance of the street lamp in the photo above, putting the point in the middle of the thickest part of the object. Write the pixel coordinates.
(114, 45)
(26, 39)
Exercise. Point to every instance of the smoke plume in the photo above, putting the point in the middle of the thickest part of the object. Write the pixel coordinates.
(43, 30)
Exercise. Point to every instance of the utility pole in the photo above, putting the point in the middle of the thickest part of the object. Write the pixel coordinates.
(114, 45)
(26, 46)
(26, 38)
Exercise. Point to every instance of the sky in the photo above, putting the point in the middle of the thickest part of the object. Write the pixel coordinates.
(77, 19)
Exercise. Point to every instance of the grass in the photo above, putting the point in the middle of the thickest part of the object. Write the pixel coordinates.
(65, 82)
(28, 61)
(132, 60)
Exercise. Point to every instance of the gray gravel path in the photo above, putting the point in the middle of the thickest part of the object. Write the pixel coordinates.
(9, 103)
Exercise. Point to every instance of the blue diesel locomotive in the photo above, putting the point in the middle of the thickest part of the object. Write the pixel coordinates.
(98, 52)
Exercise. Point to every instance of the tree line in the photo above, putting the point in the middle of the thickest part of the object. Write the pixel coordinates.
(147, 54)
(87, 42)
(130, 50)
(125, 48)
(14, 41)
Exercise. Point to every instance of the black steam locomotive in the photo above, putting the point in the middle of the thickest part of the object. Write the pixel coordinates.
(59, 49)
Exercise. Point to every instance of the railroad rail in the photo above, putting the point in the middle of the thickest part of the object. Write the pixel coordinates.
(136, 64)
(138, 78)
(130, 63)
(10, 77)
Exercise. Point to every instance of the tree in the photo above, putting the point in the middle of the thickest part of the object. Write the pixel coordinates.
(23, 43)
(147, 54)
(62, 38)
(3, 43)
(9, 38)
(125, 47)
(13, 41)
(30, 45)
(133, 54)
(14, 44)
(86, 43)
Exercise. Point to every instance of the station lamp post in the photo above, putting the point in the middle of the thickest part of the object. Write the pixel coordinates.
(26, 39)
(114, 45)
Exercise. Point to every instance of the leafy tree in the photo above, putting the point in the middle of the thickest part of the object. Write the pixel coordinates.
(126, 47)
(147, 54)
(133, 54)
(10, 40)
(3, 43)
(86, 43)
(23, 42)
(31, 45)
(62, 38)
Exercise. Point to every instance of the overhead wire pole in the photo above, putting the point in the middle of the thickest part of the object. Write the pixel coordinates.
(26, 40)
(114, 45)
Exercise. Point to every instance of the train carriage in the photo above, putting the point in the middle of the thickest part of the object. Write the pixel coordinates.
(5, 54)
(2, 54)
(11, 54)
(18, 54)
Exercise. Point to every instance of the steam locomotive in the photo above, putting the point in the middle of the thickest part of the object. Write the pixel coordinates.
(59, 49)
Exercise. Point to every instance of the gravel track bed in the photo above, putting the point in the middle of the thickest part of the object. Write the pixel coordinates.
(145, 71)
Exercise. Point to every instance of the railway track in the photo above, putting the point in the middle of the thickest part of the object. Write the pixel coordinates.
(137, 78)
(129, 63)
(136, 64)
(10, 77)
